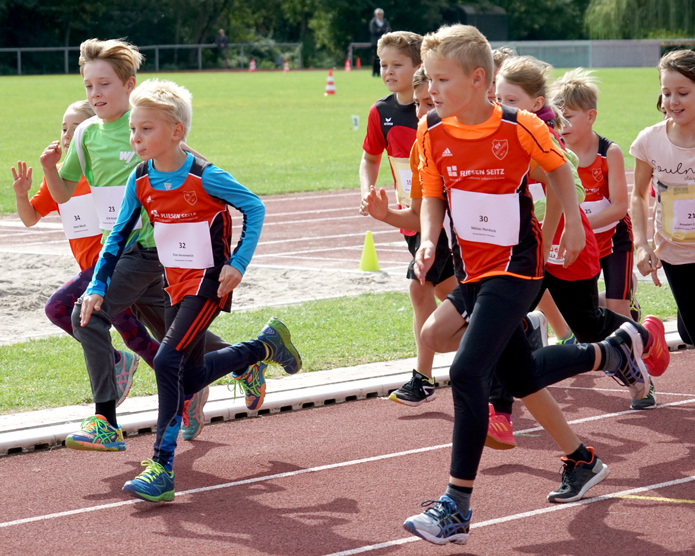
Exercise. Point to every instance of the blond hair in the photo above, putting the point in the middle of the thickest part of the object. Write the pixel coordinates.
(175, 101)
(124, 58)
(405, 42)
(576, 90)
(682, 61)
(499, 55)
(83, 107)
(462, 43)
(419, 78)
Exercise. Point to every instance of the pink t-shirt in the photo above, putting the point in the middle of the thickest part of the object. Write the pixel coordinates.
(671, 166)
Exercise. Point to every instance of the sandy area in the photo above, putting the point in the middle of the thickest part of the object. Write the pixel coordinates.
(27, 281)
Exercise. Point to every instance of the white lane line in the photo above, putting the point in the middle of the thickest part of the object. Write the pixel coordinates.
(320, 238)
(523, 515)
(315, 469)
(559, 387)
(285, 198)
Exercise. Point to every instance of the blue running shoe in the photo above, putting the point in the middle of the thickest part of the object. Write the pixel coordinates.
(193, 416)
(125, 370)
(277, 339)
(253, 384)
(442, 523)
(96, 434)
(632, 372)
(154, 484)
(568, 341)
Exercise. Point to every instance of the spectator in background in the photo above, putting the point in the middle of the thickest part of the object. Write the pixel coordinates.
(222, 42)
(377, 26)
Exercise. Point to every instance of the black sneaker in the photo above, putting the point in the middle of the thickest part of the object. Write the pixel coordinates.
(648, 402)
(578, 477)
(416, 391)
(629, 341)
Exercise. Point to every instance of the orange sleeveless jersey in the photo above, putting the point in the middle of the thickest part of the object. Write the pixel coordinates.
(595, 181)
(492, 159)
(190, 203)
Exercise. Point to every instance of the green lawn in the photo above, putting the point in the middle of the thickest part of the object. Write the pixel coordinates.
(330, 333)
(276, 132)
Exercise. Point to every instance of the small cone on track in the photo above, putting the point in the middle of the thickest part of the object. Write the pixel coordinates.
(286, 67)
(358, 63)
(369, 261)
(330, 84)
(252, 65)
(347, 64)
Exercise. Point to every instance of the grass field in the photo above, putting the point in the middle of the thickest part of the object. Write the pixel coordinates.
(276, 132)
(51, 372)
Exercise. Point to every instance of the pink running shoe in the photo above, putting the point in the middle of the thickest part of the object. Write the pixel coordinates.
(500, 434)
(656, 356)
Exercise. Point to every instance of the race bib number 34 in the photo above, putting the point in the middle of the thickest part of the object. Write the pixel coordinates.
(486, 218)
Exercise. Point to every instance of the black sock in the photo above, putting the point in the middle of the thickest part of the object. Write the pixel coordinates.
(460, 495)
(108, 411)
(580, 454)
(611, 358)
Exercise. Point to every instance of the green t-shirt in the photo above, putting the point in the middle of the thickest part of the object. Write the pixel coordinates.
(101, 152)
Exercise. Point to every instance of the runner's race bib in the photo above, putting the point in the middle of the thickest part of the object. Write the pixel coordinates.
(184, 245)
(677, 212)
(486, 218)
(404, 179)
(79, 217)
(107, 201)
(552, 256)
(594, 207)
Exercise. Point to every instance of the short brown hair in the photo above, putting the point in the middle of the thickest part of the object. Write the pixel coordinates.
(125, 58)
(419, 78)
(500, 54)
(465, 44)
(405, 42)
(576, 90)
(682, 61)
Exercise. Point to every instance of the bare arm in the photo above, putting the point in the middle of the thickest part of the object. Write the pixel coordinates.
(61, 190)
(646, 260)
(617, 187)
(431, 220)
(573, 238)
(369, 171)
(22, 184)
(377, 204)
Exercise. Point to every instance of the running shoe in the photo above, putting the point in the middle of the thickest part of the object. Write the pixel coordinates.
(193, 416)
(500, 434)
(281, 350)
(125, 370)
(96, 434)
(154, 484)
(632, 372)
(648, 402)
(568, 341)
(441, 523)
(656, 355)
(537, 332)
(418, 390)
(253, 384)
(578, 477)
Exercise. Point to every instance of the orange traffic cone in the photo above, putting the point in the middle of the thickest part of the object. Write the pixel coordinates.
(358, 64)
(330, 84)
(347, 64)
(252, 65)
(286, 66)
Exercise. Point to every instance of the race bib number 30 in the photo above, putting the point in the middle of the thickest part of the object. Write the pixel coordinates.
(486, 218)
(184, 245)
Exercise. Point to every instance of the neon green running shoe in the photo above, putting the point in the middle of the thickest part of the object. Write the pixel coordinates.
(567, 341)
(281, 350)
(154, 484)
(96, 434)
(252, 381)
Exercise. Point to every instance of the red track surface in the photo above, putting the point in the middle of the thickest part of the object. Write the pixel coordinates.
(340, 478)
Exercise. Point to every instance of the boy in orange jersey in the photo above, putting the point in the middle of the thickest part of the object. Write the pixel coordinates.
(186, 200)
(392, 128)
(475, 158)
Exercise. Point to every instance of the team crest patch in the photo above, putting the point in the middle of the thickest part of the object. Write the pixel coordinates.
(597, 173)
(190, 197)
(500, 148)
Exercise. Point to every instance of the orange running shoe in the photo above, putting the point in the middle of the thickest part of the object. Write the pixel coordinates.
(500, 435)
(656, 356)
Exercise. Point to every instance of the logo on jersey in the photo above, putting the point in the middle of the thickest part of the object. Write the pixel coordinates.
(190, 197)
(447, 152)
(387, 121)
(127, 156)
(167, 186)
(500, 148)
(452, 171)
(597, 173)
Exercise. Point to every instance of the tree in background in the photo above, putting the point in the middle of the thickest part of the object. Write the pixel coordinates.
(640, 19)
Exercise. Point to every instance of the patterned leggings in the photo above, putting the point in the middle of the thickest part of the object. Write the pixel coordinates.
(135, 335)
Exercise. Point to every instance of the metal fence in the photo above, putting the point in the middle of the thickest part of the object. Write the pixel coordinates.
(242, 54)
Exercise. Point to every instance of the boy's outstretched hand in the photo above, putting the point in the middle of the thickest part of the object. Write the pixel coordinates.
(51, 156)
(377, 204)
(424, 258)
(22, 178)
(230, 278)
(91, 302)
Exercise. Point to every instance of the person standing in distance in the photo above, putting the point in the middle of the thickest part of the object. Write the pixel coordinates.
(378, 26)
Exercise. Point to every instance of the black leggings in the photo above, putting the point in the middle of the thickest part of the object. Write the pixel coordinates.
(495, 341)
(681, 278)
